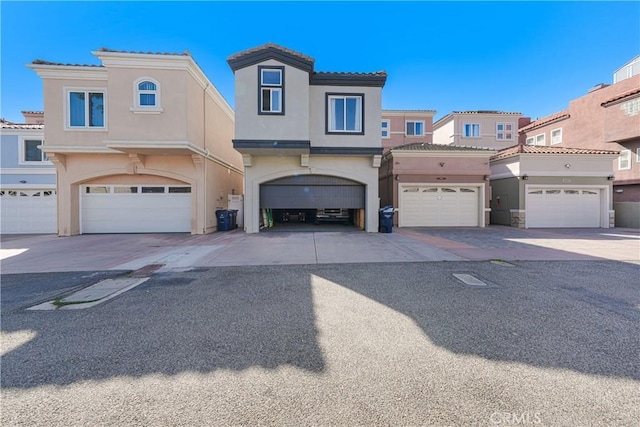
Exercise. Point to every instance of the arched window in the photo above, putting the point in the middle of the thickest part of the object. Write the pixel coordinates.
(147, 94)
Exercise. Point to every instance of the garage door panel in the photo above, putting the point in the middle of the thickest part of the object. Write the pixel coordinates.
(563, 208)
(140, 212)
(431, 206)
(312, 192)
(30, 211)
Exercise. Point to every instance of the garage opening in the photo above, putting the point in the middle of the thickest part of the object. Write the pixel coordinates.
(312, 203)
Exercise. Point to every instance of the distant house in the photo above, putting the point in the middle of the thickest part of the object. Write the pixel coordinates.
(141, 143)
(401, 127)
(606, 118)
(27, 178)
(310, 140)
(488, 129)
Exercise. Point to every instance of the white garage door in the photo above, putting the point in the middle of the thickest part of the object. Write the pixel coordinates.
(136, 209)
(434, 206)
(564, 207)
(30, 211)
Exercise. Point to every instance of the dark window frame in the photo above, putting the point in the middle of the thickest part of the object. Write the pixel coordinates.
(327, 95)
(261, 87)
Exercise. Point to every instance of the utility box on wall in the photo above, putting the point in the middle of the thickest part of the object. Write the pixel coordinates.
(236, 201)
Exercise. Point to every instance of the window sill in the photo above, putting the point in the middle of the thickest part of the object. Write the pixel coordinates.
(149, 110)
(35, 163)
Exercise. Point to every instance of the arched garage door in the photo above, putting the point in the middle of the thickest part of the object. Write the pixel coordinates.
(312, 192)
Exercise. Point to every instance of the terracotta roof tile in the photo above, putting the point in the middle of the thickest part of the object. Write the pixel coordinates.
(621, 96)
(8, 125)
(42, 62)
(185, 53)
(537, 149)
(342, 74)
(564, 114)
(272, 46)
(417, 146)
(486, 112)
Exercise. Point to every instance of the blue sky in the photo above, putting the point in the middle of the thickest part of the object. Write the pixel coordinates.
(530, 57)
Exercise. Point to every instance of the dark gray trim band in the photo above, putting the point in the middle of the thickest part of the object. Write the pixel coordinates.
(347, 151)
(270, 143)
(330, 79)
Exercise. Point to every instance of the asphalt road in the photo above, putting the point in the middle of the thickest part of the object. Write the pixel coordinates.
(402, 344)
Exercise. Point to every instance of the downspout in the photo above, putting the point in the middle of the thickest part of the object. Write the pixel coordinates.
(204, 145)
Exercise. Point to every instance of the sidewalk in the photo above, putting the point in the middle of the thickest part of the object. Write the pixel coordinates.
(49, 253)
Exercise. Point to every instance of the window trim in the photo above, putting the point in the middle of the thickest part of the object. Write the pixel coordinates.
(628, 155)
(464, 125)
(327, 97)
(551, 136)
(137, 108)
(530, 141)
(67, 105)
(22, 152)
(415, 135)
(512, 124)
(637, 155)
(261, 86)
(544, 140)
(388, 129)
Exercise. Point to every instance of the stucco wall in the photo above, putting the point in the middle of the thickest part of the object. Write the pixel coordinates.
(293, 125)
(372, 117)
(445, 133)
(397, 129)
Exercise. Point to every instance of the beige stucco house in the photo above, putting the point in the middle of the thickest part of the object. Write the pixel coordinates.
(489, 129)
(309, 140)
(141, 143)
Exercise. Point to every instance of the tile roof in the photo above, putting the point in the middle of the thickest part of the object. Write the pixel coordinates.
(185, 53)
(322, 74)
(32, 112)
(417, 146)
(267, 46)
(537, 149)
(621, 96)
(8, 125)
(486, 112)
(564, 114)
(408, 111)
(42, 62)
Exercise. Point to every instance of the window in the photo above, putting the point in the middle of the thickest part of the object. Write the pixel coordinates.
(471, 130)
(386, 129)
(345, 113)
(530, 141)
(624, 160)
(556, 136)
(271, 90)
(638, 155)
(415, 128)
(29, 151)
(540, 140)
(86, 109)
(504, 131)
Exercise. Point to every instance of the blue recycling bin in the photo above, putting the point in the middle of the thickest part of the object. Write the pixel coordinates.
(386, 220)
(224, 219)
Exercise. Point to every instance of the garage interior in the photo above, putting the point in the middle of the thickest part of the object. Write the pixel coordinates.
(312, 203)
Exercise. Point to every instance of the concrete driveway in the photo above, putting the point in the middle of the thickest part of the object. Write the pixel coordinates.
(49, 253)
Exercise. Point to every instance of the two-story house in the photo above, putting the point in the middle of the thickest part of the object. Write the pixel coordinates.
(401, 127)
(488, 129)
(141, 143)
(27, 178)
(606, 118)
(309, 140)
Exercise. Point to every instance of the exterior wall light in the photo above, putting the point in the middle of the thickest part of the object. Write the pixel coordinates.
(610, 177)
(619, 190)
(23, 181)
(567, 165)
(525, 177)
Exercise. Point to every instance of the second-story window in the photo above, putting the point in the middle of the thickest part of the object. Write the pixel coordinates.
(271, 90)
(504, 131)
(471, 130)
(415, 128)
(345, 113)
(31, 152)
(147, 96)
(386, 129)
(624, 160)
(556, 136)
(86, 109)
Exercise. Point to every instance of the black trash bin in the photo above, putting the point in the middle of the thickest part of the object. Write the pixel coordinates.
(386, 219)
(224, 220)
(233, 214)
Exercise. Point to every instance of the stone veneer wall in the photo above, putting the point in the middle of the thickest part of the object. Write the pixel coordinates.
(518, 218)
